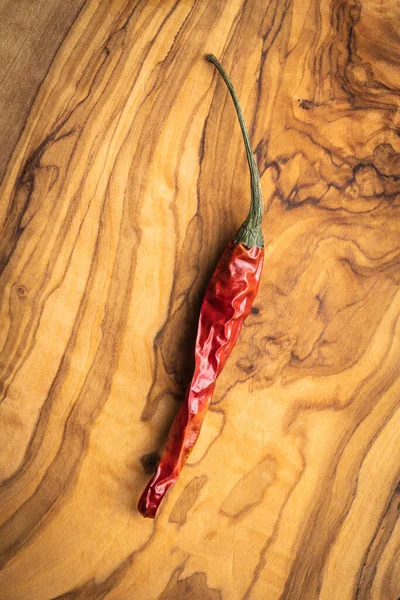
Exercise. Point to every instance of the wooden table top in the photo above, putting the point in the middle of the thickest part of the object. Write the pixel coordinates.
(123, 177)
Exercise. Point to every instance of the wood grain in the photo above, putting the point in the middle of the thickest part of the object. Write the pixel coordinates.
(127, 180)
(31, 34)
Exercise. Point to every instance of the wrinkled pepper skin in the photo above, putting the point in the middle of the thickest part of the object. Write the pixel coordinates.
(226, 304)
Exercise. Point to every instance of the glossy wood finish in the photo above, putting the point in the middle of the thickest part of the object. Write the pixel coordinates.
(128, 179)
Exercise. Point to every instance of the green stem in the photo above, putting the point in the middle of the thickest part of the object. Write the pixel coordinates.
(250, 233)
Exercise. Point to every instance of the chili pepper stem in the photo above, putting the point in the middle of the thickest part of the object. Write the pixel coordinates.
(250, 233)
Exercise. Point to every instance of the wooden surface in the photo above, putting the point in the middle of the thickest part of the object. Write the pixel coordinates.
(126, 177)
(31, 32)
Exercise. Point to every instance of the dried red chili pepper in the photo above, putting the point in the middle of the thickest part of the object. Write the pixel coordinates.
(226, 304)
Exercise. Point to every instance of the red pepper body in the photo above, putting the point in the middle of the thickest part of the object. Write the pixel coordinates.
(226, 304)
